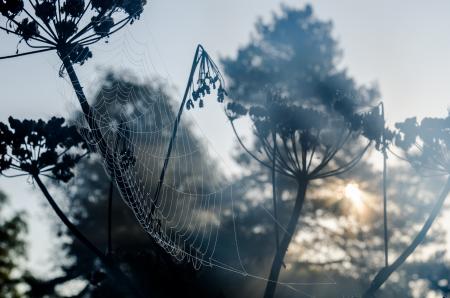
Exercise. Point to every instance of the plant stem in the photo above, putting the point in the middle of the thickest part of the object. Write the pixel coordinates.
(384, 273)
(87, 111)
(175, 128)
(85, 107)
(110, 267)
(274, 191)
(385, 219)
(284, 244)
(110, 196)
(122, 184)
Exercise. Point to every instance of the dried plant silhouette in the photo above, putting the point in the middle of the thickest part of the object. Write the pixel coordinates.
(65, 27)
(301, 143)
(296, 55)
(204, 76)
(427, 148)
(69, 27)
(304, 111)
(148, 264)
(50, 149)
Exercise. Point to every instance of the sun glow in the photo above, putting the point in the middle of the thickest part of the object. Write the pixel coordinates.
(354, 194)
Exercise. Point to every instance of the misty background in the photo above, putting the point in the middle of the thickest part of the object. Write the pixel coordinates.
(401, 47)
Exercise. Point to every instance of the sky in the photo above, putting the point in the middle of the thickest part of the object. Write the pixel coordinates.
(402, 46)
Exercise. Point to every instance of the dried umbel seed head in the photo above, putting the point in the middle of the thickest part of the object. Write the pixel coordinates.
(68, 26)
(426, 144)
(35, 147)
(208, 78)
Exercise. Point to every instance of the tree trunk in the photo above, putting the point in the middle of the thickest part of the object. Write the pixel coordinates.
(384, 273)
(109, 265)
(284, 244)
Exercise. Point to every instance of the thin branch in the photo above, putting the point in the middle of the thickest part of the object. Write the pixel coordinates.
(249, 152)
(288, 153)
(284, 166)
(325, 263)
(13, 176)
(36, 47)
(89, 26)
(26, 53)
(89, 39)
(82, 14)
(40, 39)
(332, 153)
(274, 190)
(175, 129)
(345, 168)
(313, 151)
(282, 161)
(294, 148)
(385, 220)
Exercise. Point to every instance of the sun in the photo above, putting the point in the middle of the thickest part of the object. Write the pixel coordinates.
(354, 194)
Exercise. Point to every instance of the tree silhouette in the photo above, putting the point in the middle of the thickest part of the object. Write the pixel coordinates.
(427, 148)
(296, 55)
(12, 249)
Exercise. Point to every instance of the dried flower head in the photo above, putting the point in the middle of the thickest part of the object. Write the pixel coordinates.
(39, 147)
(426, 145)
(208, 78)
(68, 26)
(302, 140)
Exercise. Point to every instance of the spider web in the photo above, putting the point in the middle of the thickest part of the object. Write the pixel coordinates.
(196, 197)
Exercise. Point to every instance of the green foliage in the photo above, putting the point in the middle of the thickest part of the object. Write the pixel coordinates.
(12, 248)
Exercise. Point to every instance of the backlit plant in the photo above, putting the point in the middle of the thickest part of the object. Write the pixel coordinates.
(426, 146)
(67, 26)
(37, 148)
(302, 143)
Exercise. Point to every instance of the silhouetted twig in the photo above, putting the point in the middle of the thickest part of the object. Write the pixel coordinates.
(208, 75)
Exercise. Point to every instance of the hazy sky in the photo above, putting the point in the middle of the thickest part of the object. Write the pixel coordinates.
(403, 46)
